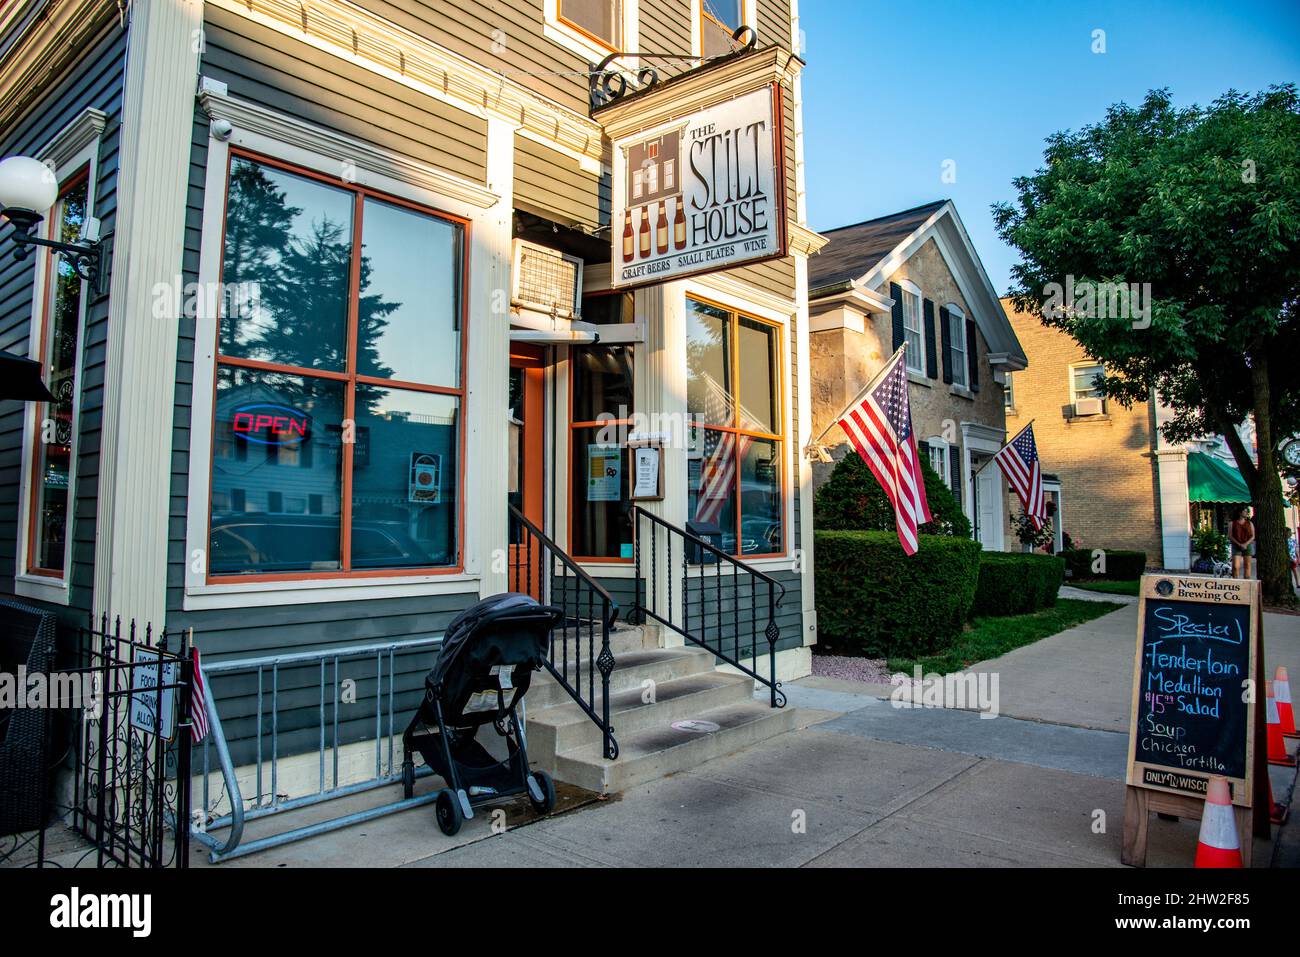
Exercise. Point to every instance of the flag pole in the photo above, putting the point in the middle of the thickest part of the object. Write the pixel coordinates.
(835, 420)
(1004, 445)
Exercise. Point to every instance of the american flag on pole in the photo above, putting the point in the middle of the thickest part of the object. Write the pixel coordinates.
(198, 702)
(879, 424)
(1018, 460)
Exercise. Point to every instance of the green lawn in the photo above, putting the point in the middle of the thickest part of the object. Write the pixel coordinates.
(987, 638)
(1110, 587)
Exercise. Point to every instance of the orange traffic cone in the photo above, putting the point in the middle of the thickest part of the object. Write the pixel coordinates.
(1282, 695)
(1276, 746)
(1218, 845)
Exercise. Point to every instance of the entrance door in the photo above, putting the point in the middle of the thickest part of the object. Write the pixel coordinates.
(526, 422)
(986, 508)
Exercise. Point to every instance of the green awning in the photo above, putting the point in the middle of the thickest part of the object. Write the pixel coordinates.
(1212, 480)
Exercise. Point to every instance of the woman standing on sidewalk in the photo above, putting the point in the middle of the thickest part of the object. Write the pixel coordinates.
(1241, 533)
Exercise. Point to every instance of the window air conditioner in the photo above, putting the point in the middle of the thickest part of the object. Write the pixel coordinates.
(546, 280)
(1088, 406)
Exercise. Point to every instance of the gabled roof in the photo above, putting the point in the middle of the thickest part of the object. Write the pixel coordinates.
(853, 250)
(863, 257)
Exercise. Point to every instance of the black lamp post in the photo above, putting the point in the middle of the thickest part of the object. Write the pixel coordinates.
(28, 189)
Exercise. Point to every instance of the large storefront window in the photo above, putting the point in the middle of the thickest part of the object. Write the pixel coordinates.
(60, 331)
(336, 441)
(735, 463)
(600, 417)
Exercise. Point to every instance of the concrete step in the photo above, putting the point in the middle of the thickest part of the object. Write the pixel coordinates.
(564, 727)
(631, 669)
(660, 750)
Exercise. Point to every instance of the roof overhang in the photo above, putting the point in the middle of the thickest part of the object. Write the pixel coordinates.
(945, 227)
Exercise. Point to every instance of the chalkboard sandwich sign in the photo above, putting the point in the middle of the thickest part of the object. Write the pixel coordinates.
(1197, 700)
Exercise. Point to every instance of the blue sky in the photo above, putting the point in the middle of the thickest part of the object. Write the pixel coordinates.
(893, 90)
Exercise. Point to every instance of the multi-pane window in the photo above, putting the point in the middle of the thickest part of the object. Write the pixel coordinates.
(733, 392)
(600, 20)
(52, 471)
(1083, 382)
(912, 329)
(718, 21)
(1008, 395)
(957, 345)
(339, 392)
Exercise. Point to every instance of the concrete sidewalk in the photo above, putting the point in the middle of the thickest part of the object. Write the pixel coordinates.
(861, 783)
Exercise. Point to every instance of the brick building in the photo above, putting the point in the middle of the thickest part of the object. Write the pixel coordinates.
(1105, 462)
(915, 275)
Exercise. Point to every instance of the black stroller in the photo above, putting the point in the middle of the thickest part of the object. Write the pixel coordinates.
(483, 671)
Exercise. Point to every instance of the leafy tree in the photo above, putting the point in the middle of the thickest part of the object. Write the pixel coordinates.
(852, 500)
(1204, 205)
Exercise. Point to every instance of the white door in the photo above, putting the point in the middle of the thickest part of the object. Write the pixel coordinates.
(988, 508)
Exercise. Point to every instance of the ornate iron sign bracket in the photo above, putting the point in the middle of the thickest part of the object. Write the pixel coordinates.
(607, 85)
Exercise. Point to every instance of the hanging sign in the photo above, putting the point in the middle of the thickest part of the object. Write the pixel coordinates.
(153, 711)
(702, 193)
(268, 424)
(424, 486)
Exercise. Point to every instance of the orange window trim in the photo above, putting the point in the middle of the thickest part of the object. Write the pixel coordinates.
(611, 45)
(779, 437)
(53, 225)
(351, 378)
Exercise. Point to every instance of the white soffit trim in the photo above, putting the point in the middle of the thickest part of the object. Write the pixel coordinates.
(254, 119)
(347, 31)
(944, 226)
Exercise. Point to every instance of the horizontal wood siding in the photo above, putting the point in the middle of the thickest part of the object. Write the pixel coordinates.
(267, 68)
(550, 184)
(96, 81)
(720, 609)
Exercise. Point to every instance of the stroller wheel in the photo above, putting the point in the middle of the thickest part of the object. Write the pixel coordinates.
(541, 783)
(408, 779)
(450, 816)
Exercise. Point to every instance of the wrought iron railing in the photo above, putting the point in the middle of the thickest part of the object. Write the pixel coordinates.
(720, 599)
(580, 658)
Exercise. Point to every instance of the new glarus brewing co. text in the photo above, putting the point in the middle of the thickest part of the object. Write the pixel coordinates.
(700, 195)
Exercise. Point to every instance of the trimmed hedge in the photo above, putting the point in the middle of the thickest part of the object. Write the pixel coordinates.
(1120, 565)
(1016, 584)
(852, 499)
(873, 600)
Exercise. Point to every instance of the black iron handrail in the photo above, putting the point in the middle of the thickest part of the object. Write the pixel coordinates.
(541, 568)
(710, 615)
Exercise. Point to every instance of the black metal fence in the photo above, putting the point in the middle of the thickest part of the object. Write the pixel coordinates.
(125, 720)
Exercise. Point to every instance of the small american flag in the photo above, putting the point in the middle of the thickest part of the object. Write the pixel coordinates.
(1018, 460)
(722, 450)
(198, 702)
(879, 425)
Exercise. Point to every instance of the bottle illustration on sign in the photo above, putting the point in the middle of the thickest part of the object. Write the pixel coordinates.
(644, 234)
(679, 225)
(629, 242)
(661, 229)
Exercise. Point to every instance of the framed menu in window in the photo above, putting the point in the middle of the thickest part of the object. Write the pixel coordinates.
(647, 477)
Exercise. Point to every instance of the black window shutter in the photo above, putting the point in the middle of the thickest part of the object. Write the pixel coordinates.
(896, 294)
(931, 352)
(973, 355)
(945, 333)
(954, 472)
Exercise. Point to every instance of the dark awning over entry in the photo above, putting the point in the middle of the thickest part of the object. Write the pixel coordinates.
(20, 378)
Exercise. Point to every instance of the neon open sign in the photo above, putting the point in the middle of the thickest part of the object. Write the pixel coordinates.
(271, 424)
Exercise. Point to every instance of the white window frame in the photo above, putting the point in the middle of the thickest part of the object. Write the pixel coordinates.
(307, 146)
(577, 41)
(957, 318)
(910, 288)
(75, 146)
(1076, 395)
(936, 443)
(1008, 394)
(748, 15)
